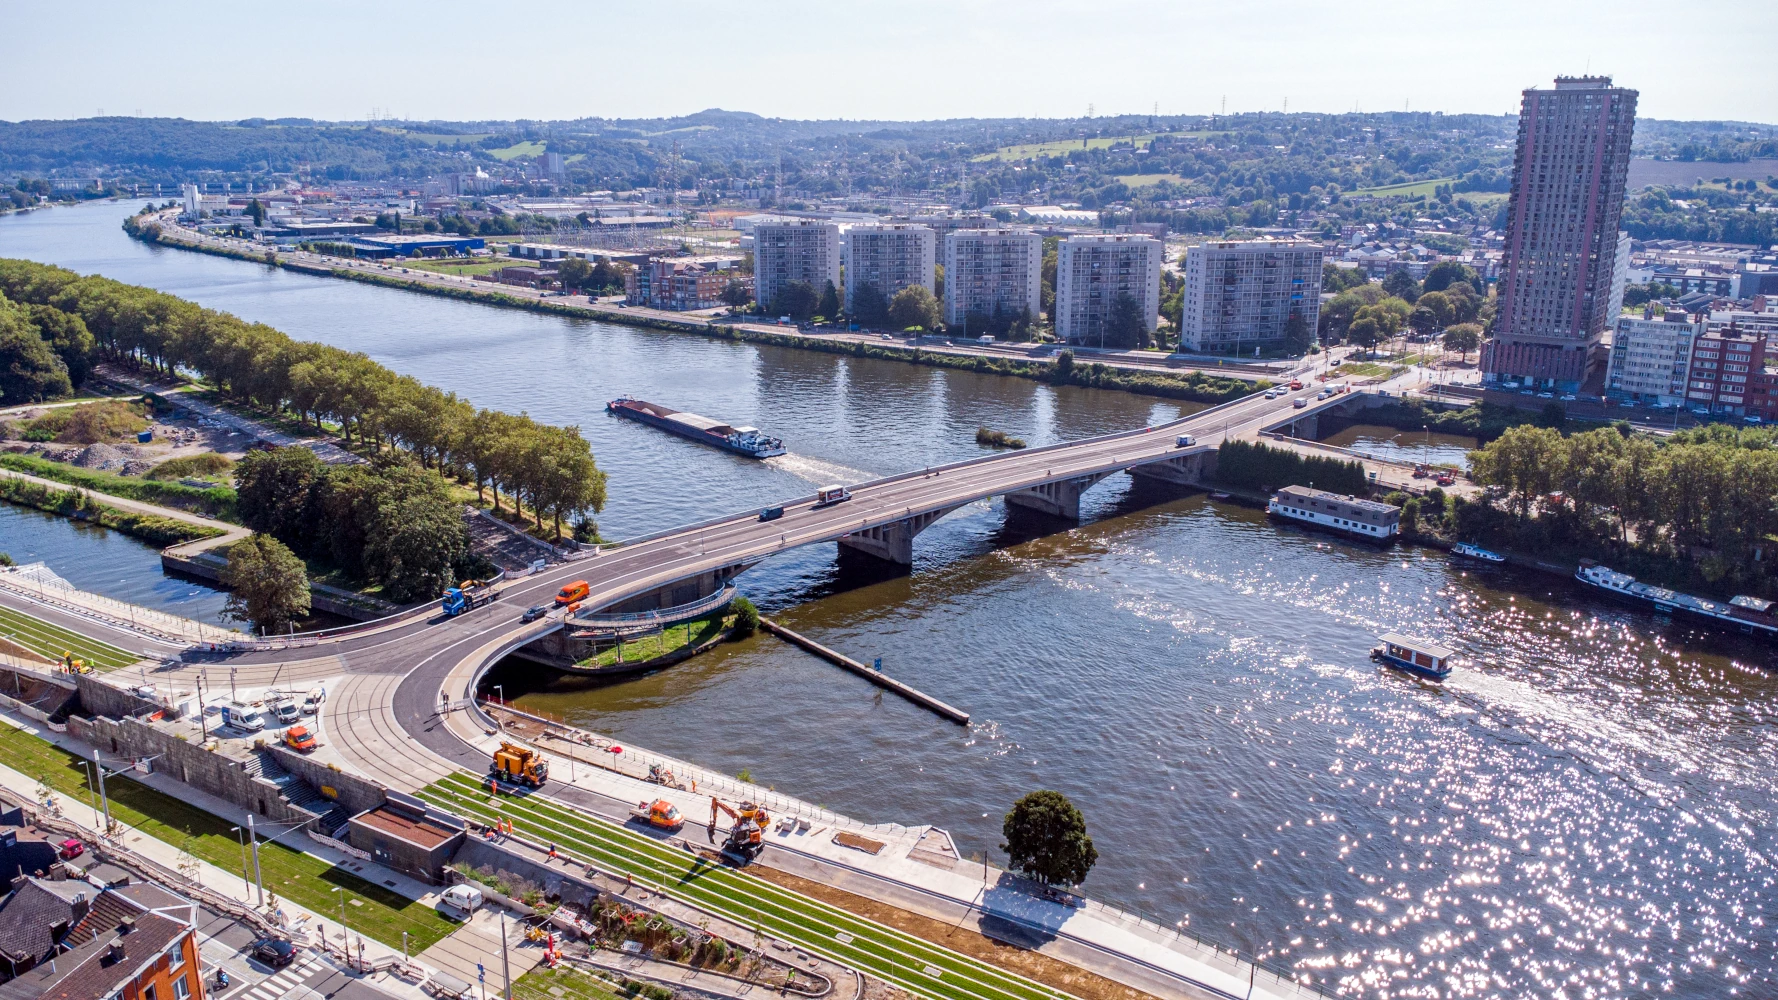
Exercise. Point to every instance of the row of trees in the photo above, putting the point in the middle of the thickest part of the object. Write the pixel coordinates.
(1706, 494)
(44, 352)
(388, 522)
(551, 469)
(1447, 304)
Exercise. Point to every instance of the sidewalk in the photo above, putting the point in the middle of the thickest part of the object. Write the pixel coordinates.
(304, 926)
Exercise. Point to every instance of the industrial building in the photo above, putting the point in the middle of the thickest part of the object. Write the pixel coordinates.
(1242, 295)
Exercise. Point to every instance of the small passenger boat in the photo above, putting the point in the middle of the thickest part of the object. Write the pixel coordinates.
(1416, 656)
(1464, 550)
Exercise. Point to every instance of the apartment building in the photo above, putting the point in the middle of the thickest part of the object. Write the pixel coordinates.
(1092, 272)
(992, 269)
(890, 258)
(1240, 295)
(1650, 357)
(1562, 235)
(796, 250)
(682, 283)
(1725, 367)
(129, 942)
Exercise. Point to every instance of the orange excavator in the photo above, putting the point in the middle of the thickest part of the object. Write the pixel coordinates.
(746, 838)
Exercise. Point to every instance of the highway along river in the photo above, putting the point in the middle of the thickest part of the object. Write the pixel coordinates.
(1586, 810)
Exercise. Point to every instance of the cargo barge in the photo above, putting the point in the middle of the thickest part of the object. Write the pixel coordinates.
(1748, 615)
(746, 441)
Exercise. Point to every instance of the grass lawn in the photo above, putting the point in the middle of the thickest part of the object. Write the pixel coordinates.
(518, 149)
(52, 641)
(566, 982)
(301, 878)
(1368, 369)
(1408, 190)
(460, 266)
(674, 637)
(913, 963)
(1060, 147)
(1150, 180)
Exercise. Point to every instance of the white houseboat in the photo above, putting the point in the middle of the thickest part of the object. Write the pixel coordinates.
(1368, 519)
(1416, 656)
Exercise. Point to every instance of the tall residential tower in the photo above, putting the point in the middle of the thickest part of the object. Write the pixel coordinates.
(803, 250)
(1562, 238)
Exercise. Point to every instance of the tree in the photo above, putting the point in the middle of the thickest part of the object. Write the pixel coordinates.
(30, 371)
(830, 302)
(1298, 338)
(1337, 315)
(746, 617)
(1337, 279)
(1124, 325)
(868, 307)
(1064, 366)
(914, 306)
(797, 299)
(1437, 310)
(68, 336)
(1446, 272)
(1046, 838)
(575, 273)
(1463, 338)
(735, 294)
(256, 212)
(268, 584)
(1401, 284)
(1527, 461)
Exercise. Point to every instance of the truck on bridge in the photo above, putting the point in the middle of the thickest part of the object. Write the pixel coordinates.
(467, 596)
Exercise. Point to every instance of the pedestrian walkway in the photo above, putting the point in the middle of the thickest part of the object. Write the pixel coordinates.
(178, 394)
(275, 986)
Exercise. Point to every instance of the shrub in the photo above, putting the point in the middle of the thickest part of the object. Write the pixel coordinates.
(207, 464)
(1257, 466)
(746, 617)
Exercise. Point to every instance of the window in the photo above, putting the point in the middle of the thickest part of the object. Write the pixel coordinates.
(181, 989)
(148, 992)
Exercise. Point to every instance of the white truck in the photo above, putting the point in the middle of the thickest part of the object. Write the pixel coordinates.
(241, 715)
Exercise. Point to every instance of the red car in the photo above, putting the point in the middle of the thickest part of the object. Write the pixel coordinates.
(70, 849)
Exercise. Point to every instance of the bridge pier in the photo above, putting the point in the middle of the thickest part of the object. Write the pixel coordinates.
(894, 541)
(1058, 499)
(1185, 470)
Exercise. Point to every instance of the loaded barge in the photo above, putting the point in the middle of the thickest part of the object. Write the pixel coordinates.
(1748, 615)
(746, 441)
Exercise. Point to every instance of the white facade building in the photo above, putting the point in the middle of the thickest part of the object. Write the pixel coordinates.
(194, 199)
(1240, 295)
(1620, 275)
(989, 269)
(889, 258)
(1093, 271)
(803, 250)
(1650, 357)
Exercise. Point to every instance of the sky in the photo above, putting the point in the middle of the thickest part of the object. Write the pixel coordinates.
(862, 59)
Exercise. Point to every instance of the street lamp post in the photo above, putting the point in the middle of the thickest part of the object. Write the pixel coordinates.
(253, 839)
(87, 767)
(240, 837)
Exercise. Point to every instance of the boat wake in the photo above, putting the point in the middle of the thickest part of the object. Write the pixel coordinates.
(818, 472)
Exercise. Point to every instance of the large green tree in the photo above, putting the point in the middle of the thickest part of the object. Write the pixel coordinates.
(914, 306)
(30, 371)
(268, 585)
(1125, 326)
(1046, 838)
(796, 299)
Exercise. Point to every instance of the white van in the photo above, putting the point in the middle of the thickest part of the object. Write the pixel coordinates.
(462, 900)
(241, 715)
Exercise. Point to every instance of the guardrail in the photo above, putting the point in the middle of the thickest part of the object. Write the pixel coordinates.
(660, 616)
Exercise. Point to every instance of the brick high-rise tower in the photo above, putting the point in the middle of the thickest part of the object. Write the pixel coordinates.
(1562, 232)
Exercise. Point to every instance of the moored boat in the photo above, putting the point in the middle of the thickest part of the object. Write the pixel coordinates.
(1354, 516)
(1464, 550)
(1416, 656)
(1745, 614)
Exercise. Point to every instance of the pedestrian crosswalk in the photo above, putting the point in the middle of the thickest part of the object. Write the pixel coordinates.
(286, 981)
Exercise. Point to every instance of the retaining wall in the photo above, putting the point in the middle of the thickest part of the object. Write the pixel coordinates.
(557, 881)
(206, 770)
(354, 793)
(100, 698)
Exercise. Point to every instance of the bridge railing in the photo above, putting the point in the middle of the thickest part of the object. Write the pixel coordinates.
(659, 616)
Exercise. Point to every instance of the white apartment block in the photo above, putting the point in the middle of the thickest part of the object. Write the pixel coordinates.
(1241, 294)
(1092, 271)
(803, 250)
(988, 269)
(1650, 357)
(890, 258)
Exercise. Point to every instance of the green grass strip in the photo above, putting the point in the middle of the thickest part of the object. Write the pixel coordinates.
(380, 913)
(882, 951)
(53, 641)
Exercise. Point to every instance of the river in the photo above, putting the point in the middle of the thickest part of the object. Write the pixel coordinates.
(1584, 809)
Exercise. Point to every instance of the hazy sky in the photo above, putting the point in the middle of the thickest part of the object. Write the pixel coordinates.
(911, 59)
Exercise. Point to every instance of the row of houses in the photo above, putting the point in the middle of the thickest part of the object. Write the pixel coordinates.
(1713, 362)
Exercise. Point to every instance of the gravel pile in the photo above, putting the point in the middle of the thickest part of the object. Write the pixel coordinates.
(102, 457)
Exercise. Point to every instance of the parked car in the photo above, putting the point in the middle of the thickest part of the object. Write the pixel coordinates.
(275, 952)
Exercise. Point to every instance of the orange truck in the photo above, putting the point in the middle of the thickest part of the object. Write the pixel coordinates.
(572, 593)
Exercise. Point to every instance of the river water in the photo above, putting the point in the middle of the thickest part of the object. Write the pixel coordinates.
(1584, 809)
